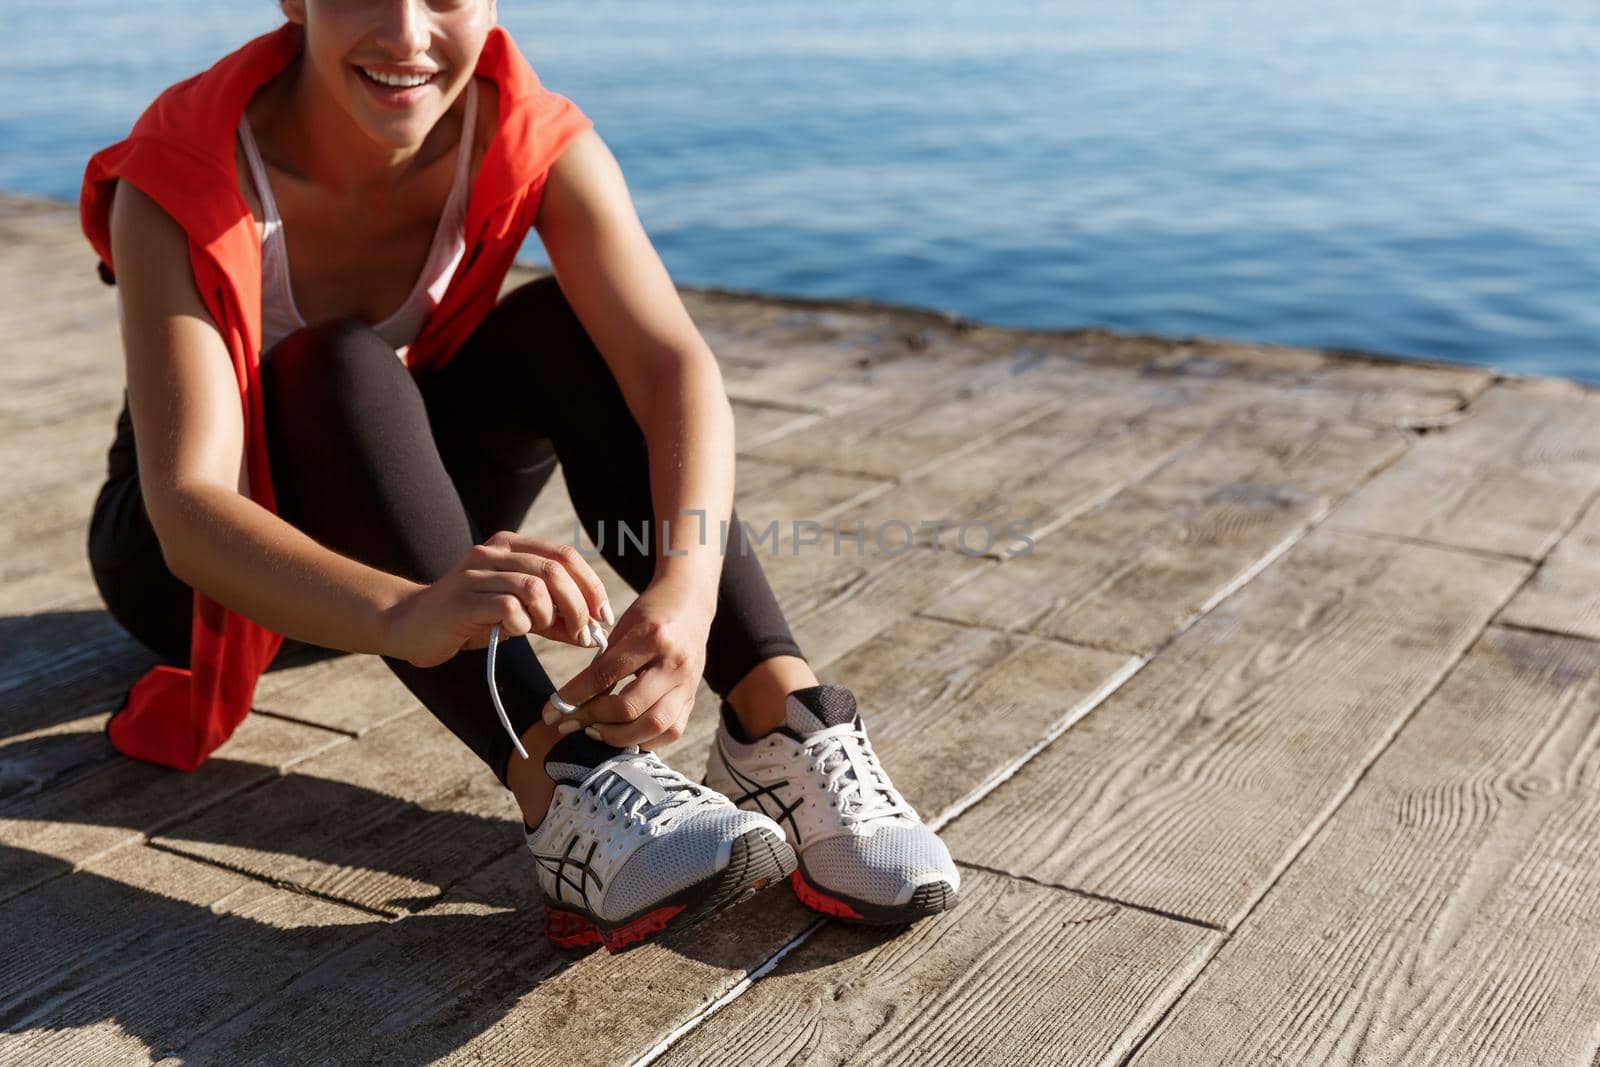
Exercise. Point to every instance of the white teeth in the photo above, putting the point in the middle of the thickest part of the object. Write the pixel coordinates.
(401, 81)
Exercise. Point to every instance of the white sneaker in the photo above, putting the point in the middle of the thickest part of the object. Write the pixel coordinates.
(865, 855)
(630, 847)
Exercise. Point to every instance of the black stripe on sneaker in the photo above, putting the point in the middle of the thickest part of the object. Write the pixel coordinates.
(757, 792)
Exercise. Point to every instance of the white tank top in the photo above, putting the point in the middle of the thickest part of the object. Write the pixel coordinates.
(279, 315)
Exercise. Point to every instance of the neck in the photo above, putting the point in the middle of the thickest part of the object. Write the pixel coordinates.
(334, 152)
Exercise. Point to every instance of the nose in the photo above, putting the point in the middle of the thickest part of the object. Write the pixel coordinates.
(406, 28)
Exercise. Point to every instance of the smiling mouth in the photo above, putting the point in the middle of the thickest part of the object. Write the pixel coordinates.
(398, 82)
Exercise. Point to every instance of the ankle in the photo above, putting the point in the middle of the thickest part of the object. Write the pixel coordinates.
(530, 786)
(759, 700)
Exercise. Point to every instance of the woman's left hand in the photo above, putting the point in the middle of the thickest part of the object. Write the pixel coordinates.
(660, 640)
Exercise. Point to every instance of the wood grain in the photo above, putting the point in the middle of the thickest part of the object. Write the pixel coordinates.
(416, 811)
(144, 951)
(1018, 973)
(1509, 478)
(1128, 574)
(1450, 912)
(1197, 782)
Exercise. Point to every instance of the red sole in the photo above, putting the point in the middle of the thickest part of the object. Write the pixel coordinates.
(817, 900)
(568, 929)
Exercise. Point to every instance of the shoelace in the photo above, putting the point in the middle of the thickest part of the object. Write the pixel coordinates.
(629, 780)
(865, 792)
(595, 631)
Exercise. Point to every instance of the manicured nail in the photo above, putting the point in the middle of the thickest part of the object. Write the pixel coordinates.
(567, 727)
(550, 715)
(592, 731)
(605, 613)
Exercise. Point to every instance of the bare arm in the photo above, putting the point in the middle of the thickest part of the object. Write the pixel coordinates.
(621, 292)
(190, 432)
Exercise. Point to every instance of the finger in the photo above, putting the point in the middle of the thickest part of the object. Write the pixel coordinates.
(661, 724)
(501, 609)
(528, 589)
(568, 598)
(620, 660)
(632, 702)
(563, 591)
(576, 566)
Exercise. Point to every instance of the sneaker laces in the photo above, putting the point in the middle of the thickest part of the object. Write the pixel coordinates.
(854, 775)
(637, 785)
(596, 633)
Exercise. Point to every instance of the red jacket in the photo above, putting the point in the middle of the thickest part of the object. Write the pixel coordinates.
(181, 153)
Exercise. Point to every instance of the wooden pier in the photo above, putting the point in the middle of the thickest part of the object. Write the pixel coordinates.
(1277, 741)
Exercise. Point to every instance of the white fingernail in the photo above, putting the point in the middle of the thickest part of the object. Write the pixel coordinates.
(593, 732)
(605, 613)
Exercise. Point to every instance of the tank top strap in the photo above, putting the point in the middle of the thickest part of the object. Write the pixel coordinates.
(258, 175)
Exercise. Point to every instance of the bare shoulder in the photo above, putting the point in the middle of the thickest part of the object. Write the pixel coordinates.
(143, 233)
(585, 184)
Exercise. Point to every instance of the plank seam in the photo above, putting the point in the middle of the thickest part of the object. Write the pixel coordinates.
(1064, 642)
(277, 883)
(1540, 631)
(1102, 898)
(1423, 542)
(733, 993)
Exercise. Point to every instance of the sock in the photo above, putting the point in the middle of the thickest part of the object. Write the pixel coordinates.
(736, 729)
(580, 749)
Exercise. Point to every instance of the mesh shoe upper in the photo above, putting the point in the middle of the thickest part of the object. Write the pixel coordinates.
(819, 777)
(630, 831)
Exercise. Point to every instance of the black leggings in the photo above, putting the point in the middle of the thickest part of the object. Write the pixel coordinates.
(406, 473)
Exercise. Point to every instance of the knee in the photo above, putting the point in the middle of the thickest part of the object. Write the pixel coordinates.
(341, 367)
(334, 351)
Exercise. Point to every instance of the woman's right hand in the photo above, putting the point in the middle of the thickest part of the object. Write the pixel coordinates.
(523, 584)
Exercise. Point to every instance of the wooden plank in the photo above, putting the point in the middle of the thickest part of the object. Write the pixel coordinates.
(905, 432)
(835, 603)
(757, 422)
(417, 810)
(145, 951)
(65, 669)
(1510, 478)
(1190, 789)
(69, 796)
(1130, 573)
(1373, 391)
(1393, 392)
(1564, 593)
(1031, 480)
(1018, 973)
(1450, 911)
(59, 664)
